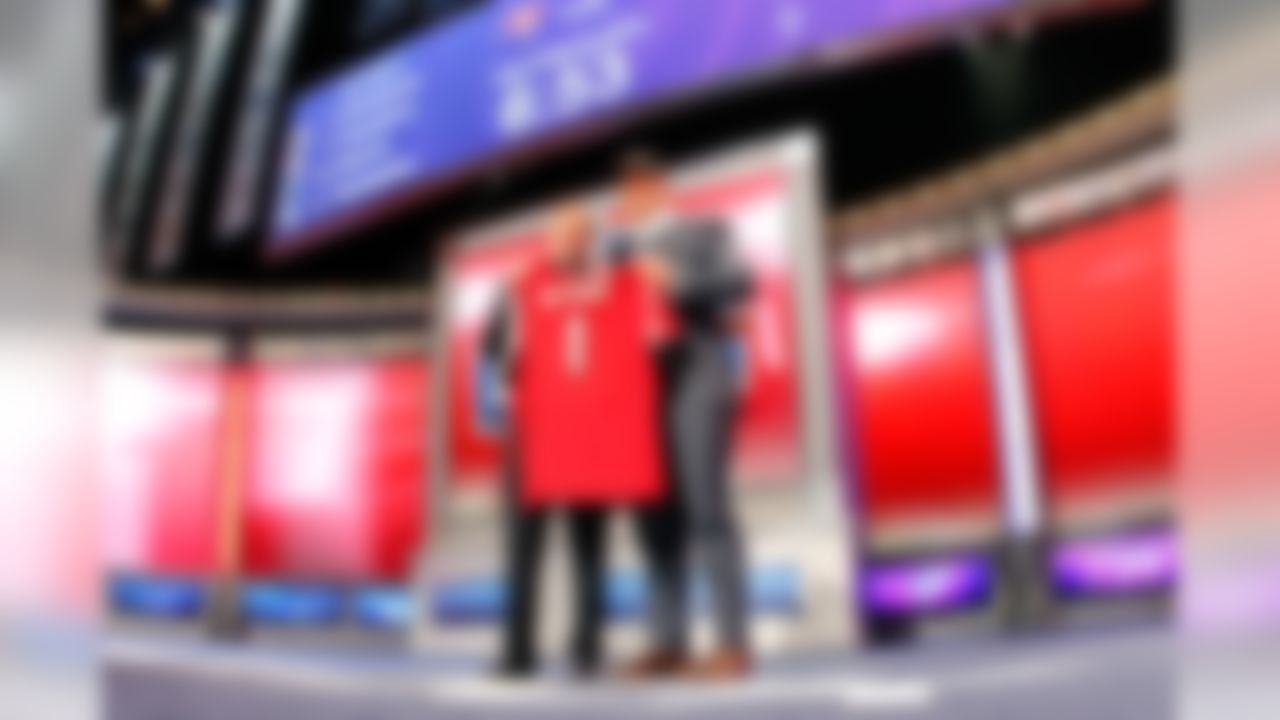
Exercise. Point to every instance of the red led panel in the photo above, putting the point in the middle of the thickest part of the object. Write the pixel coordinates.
(925, 435)
(337, 469)
(1097, 313)
(160, 448)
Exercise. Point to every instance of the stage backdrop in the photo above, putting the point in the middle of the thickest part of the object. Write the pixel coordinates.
(783, 457)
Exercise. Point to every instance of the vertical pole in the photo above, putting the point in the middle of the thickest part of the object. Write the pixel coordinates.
(831, 570)
(223, 617)
(435, 497)
(1021, 484)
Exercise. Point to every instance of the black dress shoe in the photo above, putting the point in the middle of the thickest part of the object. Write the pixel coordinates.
(514, 670)
(586, 668)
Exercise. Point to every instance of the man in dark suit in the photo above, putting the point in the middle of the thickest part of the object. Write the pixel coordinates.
(705, 285)
(503, 343)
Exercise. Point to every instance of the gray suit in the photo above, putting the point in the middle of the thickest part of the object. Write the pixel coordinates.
(709, 285)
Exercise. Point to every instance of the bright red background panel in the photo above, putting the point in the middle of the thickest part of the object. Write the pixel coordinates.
(1097, 312)
(925, 429)
(337, 469)
(160, 445)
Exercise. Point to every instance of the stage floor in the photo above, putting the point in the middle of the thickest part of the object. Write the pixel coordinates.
(1097, 675)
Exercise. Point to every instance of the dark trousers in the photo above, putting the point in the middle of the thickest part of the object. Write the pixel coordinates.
(526, 532)
(695, 526)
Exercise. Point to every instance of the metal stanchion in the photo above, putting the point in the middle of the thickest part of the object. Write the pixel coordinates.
(223, 616)
(1022, 546)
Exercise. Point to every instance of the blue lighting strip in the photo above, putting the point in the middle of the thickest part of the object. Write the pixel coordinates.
(773, 590)
(383, 608)
(282, 604)
(156, 597)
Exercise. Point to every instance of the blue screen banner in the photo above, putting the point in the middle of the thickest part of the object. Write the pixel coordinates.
(516, 71)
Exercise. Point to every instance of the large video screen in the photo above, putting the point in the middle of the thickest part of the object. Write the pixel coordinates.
(513, 71)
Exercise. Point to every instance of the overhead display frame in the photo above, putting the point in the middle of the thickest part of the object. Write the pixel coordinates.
(514, 72)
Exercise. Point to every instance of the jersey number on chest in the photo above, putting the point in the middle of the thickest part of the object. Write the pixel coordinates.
(576, 345)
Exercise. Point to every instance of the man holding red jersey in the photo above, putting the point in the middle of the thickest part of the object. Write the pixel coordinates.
(573, 337)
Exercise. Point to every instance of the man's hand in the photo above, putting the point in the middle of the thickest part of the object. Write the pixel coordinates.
(656, 269)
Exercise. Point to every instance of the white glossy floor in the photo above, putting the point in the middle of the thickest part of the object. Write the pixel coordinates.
(1097, 675)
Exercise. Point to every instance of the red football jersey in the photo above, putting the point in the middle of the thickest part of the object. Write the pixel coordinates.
(586, 389)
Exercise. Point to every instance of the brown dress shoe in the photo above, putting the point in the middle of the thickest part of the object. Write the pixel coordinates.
(654, 664)
(722, 665)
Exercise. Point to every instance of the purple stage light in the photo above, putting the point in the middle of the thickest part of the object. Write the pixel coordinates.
(928, 585)
(1120, 563)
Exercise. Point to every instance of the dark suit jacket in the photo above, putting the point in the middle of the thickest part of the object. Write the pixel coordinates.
(710, 282)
